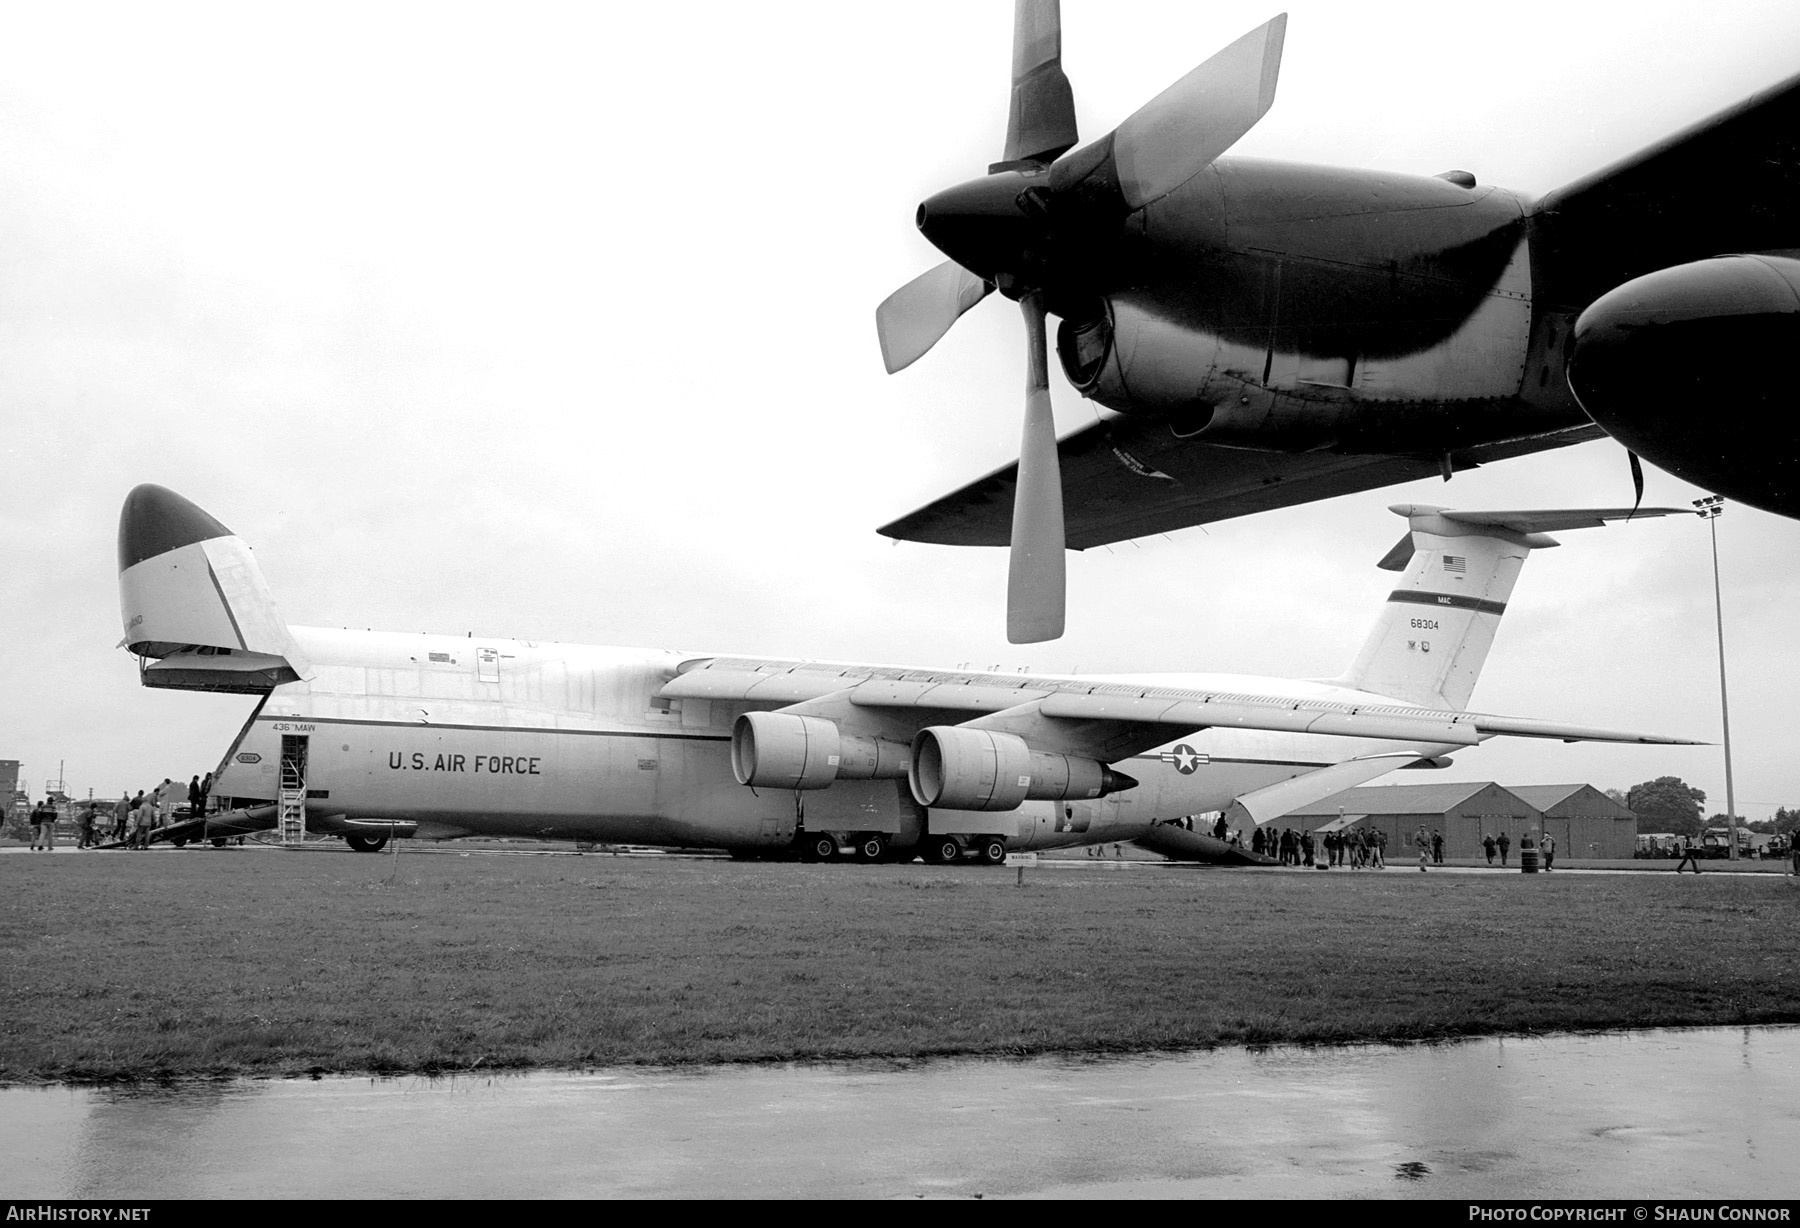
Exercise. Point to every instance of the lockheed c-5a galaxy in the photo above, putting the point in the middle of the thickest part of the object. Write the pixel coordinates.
(1269, 333)
(373, 734)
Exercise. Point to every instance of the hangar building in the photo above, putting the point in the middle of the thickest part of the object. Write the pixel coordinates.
(1584, 821)
(1464, 812)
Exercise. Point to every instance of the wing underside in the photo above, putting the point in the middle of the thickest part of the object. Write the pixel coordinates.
(1128, 478)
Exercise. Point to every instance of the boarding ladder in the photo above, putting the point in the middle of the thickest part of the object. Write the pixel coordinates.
(290, 803)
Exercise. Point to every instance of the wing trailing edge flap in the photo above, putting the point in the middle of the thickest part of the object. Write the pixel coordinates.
(1265, 805)
(1273, 715)
(1525, 727)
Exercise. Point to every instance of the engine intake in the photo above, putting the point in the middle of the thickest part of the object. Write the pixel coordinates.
(979, 769)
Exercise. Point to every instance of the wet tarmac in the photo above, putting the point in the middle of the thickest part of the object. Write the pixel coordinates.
(1676, 1114)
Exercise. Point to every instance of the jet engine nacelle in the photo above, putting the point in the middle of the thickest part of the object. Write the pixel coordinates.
(979, 769)
(780, 750)
(1689, 367)
(1209, 387)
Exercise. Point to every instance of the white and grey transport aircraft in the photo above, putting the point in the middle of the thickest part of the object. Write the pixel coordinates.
(372, 735)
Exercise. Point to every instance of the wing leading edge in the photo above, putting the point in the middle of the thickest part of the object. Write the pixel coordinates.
(1106, 721)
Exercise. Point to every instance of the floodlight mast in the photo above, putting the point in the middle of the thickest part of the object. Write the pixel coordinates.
(1710, 508)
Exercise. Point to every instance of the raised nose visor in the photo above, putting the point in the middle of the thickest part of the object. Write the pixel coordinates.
(195, 608)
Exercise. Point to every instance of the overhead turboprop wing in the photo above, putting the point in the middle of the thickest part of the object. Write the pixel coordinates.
(1681, 259)
(371, 735)
(1269, 334)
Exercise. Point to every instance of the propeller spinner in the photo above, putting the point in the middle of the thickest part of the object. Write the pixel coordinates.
(1035, 227)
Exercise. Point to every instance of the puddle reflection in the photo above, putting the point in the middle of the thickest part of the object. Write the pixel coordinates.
(1700, 1113)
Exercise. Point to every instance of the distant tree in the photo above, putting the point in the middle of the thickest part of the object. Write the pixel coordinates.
(1786, 821)
(1619, 796)
(1766, 826)
(1667, 803)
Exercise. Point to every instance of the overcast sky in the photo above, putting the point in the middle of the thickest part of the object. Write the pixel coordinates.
(557, 322)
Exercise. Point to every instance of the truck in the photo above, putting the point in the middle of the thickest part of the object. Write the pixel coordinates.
(1716, 842)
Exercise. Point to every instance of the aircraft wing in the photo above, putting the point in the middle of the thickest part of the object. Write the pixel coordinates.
(1106, 721)
(1128, 478)
(1724, 185)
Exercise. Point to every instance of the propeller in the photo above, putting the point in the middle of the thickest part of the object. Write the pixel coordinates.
(1040, 228)
(1035, 580)
(912, 318)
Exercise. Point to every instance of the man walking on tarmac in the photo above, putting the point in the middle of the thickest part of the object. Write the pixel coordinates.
(1690, 855)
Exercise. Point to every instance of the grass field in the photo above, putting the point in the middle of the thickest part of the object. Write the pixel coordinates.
(175, 964)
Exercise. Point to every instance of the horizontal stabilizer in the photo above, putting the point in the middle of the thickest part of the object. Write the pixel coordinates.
(1526, 522)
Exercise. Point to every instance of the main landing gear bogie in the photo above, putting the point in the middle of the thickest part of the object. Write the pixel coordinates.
(362, 843)
(876, 848)
(818, 847)
(943, 850)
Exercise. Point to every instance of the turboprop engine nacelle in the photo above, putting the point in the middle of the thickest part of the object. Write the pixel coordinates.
(980, 769)
(1135, 362)
(779, 750)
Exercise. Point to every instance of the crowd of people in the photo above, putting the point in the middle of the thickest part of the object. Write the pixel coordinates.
(1366, 847)
(1358, 847)
(130, 822)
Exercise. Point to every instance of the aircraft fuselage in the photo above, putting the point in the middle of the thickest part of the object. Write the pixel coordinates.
(462, 737)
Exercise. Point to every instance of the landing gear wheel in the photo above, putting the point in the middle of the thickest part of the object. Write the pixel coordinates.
(819, 848)
(944, 852)
(872, 848)
(365, 844)
(993, 851)
(218, 842)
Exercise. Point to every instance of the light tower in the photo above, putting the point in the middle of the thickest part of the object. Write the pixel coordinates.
(1709, 509)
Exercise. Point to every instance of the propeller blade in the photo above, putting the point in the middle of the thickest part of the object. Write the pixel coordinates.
(912, 318)
(1178, 133)
(1040, 124)
(1637, 482)
(1035, 578)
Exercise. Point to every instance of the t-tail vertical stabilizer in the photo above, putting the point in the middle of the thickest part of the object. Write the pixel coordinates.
(196, 609)
(1433, 635)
